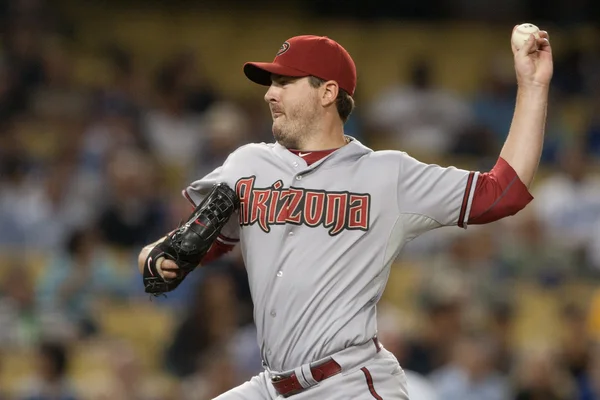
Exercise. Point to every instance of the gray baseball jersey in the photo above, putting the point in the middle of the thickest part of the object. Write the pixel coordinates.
(318, 240)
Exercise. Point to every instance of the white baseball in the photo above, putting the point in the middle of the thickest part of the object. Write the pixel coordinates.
(522, 32)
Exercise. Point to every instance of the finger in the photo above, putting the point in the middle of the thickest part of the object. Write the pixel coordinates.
(168, 275)
(543, 44)
(169, 265)
(544, 34)
(512, 45)
(530, 46)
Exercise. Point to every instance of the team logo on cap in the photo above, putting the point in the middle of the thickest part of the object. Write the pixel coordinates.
(284, 47)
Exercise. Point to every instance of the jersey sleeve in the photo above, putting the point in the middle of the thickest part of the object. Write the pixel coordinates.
(197, 190)
(432, 196)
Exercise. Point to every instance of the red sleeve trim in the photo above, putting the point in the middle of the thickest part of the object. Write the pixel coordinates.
(498, 194)
(216, 250)
(227, 240)
(465, 202)
(187, 196)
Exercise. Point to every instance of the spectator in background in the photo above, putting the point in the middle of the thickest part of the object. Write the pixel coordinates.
(125, 90)
(50, 381)
(60, 97)
(500, 332)
(216, 319)
(20, 324)
(23, 55)
(470, 375)
(40, 202)
(75, 279)
(128, 379)
(393, 329)
(175, 134)
(493, 102)
(592, 130)
(420, 387)
(419, 116)
(539, 376)
(530, 254)
(576, 345)
(115, 121)
(570, 78)
(3, 395)
(493, 106)
(568, 203)
(225, 125)
(193, 81)
(431, 348)
(18, 195)
(216, 374)
(133, 213)
(589, 385)
(472, 268)
(211, 322)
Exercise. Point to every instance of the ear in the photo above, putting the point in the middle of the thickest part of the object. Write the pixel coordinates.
(329, 92)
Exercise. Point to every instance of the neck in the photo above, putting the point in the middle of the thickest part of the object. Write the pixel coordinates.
(326, 138)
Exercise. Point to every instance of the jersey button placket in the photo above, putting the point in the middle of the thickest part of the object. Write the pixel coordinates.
(273, 313)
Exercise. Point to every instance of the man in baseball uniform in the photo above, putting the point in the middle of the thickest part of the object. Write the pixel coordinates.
(321, 218)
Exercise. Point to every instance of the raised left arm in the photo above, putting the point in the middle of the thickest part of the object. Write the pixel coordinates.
(523, 146)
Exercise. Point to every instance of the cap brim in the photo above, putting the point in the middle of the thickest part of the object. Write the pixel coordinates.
(260, 72)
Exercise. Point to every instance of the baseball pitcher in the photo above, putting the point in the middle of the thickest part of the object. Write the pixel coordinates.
(320, 219)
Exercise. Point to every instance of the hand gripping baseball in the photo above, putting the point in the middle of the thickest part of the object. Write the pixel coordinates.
(187, 245)
(533, 60)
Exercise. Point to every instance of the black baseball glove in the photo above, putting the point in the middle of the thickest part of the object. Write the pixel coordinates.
(187, 245)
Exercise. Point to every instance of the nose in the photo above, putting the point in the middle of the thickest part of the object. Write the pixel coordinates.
(271, 95)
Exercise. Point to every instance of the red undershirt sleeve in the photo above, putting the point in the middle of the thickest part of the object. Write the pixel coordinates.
(498, 194)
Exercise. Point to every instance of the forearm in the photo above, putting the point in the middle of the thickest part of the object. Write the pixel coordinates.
(523, 146)
(218, 249)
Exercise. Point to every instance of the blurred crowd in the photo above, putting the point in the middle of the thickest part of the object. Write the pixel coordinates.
(88, 175)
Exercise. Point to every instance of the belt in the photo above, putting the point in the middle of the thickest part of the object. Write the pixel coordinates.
(290, 385)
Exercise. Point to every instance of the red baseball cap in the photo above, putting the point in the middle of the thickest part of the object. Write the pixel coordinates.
(307, 55)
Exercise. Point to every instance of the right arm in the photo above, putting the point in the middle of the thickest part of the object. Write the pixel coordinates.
(168, 268)
(195, 194)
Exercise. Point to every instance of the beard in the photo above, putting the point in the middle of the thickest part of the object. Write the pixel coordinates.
(286, 134)
(293, 128)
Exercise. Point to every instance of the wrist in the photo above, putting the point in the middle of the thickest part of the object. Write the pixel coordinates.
(533, 88)
(533, 94)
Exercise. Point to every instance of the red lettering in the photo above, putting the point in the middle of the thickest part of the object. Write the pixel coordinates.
(275, 205)
(282, 211)
(273, 200)
(294, 209)
(358, 217)
(260, 208)
(314, 203)
(337, 205)
(243, 188)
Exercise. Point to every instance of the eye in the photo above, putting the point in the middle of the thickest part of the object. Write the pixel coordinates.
(284, 80)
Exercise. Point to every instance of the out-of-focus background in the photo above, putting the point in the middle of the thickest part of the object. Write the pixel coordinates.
(109, 108)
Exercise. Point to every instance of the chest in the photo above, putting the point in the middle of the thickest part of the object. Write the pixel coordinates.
(325, 199)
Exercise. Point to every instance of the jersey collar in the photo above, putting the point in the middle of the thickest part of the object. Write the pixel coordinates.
(348, 153)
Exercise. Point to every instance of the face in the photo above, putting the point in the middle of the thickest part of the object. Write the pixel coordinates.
(295, 107)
